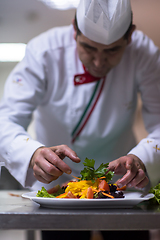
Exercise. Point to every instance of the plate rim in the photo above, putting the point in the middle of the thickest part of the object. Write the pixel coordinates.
(145, 197)
(79, 204)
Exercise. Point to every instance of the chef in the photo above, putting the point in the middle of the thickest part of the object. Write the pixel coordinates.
(80, 82)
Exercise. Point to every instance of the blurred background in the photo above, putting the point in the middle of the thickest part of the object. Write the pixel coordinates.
(21, 20)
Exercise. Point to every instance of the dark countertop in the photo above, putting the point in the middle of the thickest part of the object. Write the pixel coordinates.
(19, 213)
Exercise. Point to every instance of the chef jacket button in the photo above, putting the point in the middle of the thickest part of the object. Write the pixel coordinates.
(77, 79)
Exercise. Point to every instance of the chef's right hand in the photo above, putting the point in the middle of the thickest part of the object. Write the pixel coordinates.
(48, 165)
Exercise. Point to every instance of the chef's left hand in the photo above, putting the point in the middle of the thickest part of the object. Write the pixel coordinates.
(133, 170)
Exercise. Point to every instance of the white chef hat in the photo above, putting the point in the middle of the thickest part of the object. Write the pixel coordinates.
(104, 21)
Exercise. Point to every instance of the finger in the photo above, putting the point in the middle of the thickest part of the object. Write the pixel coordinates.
(41, 179)
(127, 178)
(65, 151)
(42, 165)
(143, 183)
(43, 176)
(49, 168)
(115, 167)
(140, 180)
(118, 166)
(129, 164)
(56, 163)
(111, 166)
(126, 163)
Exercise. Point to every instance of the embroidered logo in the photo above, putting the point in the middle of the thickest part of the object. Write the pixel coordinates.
(26, 139)
(18, 81)
(156, 147)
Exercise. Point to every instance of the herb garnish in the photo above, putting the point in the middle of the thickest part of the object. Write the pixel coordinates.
(90, 173)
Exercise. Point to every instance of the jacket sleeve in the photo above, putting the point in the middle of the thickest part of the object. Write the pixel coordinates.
(148, 83)
(24, 91)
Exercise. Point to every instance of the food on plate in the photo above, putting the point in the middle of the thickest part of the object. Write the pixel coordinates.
(93, 184)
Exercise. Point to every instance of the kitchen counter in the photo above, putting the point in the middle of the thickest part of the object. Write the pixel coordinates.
(19, 213)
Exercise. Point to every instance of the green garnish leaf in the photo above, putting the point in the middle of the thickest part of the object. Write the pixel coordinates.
(44, 193)
(109, 176)
(90, 173)
(156, 191)
(89, 163)
(101, 170)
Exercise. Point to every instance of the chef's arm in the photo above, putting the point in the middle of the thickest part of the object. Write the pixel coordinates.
(24, 91)
(142, 164)
(148, 150)
(16, 149)
(148, 85)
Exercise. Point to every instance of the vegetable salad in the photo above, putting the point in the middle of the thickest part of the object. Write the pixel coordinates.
(92, 184)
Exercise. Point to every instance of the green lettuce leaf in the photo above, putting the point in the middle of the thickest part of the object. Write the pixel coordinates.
(156, 191)
(44, 193)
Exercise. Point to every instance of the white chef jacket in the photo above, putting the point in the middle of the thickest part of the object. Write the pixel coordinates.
(42, 83)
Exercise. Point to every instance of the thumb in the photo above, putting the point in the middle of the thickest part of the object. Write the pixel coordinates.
(111, 166)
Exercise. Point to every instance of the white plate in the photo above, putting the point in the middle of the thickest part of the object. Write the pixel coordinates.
(131, 199)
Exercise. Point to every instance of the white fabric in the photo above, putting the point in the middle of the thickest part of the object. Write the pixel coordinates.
(43, 81)
(104, 21)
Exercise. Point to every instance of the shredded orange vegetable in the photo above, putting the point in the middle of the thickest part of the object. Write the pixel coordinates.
(63, 195)
(101, 189)
(108, 195)
(76, 177)
(102, 177)
(80, 188)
